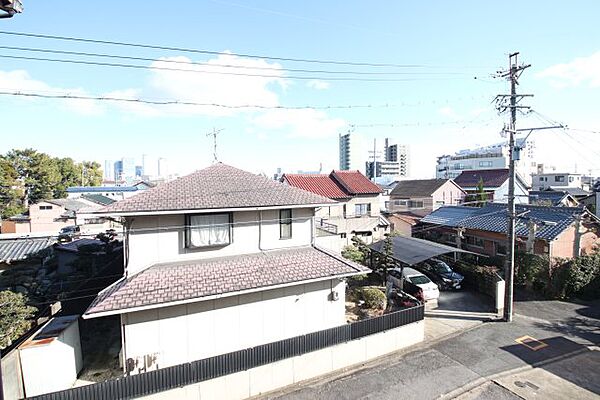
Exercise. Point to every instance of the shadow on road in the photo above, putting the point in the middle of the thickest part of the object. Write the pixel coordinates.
(562, 357)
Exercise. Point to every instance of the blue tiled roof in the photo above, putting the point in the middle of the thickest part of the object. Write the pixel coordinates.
(551, 221)
(101, 189)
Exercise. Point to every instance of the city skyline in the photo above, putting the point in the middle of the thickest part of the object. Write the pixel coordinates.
(427, 98)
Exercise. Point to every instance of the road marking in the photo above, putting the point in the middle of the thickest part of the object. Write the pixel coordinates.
(531, 343)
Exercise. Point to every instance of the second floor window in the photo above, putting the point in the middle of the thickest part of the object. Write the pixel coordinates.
(362, 209)
(208, 230)
(285, 224)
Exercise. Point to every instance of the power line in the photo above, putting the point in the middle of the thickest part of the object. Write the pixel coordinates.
(63, 95)
(199, 51)
(120, 57)
(148, 67)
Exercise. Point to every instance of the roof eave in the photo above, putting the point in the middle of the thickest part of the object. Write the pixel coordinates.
(205, 210)
(218, 296)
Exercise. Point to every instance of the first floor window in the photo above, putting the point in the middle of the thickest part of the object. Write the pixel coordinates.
(500, 249)
(208, 230)
(362, 209)
(285, 224)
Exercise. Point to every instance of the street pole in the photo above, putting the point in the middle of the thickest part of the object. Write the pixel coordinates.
(512, 74)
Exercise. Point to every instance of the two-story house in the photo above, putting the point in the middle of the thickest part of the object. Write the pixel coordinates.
(356, 211)
(49, 216)
(422, 196)
(494, 183)
(218, 261)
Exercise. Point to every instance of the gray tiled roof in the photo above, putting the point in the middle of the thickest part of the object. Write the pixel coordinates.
(162, 284)
(551, 221)
(98, 199)
(218, 186)
(416, 188)
(12, 250)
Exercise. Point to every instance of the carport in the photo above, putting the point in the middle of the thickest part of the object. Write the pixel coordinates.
(410, 251)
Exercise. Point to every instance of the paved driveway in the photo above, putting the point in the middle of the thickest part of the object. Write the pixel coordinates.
(457, 311)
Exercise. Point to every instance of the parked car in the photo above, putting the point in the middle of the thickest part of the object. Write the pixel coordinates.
(68, 233)
(442, 274)
(430, 289)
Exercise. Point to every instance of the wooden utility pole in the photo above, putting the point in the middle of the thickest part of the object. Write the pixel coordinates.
(513, 74)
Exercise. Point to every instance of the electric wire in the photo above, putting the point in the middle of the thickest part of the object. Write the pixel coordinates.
(200, 51)
(216, 65)
(149, 67)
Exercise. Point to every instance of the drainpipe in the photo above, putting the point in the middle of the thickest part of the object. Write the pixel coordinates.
(260, 231)
(530, 245)
(578, 234)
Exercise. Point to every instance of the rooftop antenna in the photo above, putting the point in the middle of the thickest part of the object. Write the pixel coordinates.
(214, 134)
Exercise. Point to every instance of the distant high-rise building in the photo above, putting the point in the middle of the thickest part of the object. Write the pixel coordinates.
(109, 170)
(163, 168)
(352, 152)
(139, 171)
(128, 167)
(118, 171)
(489, 157)
(395, 162)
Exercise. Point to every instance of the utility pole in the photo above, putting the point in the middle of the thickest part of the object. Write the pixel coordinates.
(214, 134)
(513, 74)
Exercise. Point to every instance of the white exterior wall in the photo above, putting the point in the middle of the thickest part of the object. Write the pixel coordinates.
(156, 239)
(521, 194)
(54, 366)
(335, 215)
(194, 331)
(293, 370)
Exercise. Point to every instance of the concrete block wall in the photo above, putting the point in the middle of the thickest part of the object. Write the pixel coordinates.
(293, 370)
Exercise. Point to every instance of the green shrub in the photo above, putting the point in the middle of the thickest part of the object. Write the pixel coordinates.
(354, 254)
(374, 298)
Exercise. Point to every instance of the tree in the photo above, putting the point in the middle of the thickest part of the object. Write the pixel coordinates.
(387, 260)
(27, 176)
(10, 191)
(15, 317)
(37, 172)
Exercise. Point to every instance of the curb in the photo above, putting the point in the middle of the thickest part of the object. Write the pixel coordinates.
(490, 378)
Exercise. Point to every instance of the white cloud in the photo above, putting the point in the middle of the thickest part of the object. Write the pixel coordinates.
(226, 80)
(318, 84)
(580, 71)
(21, 81)
(448, 112)
(300, 123)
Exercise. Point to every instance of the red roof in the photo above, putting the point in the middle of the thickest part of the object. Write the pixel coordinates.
(354, 182)
(319, 184)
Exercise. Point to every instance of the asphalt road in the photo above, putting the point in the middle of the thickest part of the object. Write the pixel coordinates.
(470, 364)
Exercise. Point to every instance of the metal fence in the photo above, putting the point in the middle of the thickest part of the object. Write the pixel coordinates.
(197, 371)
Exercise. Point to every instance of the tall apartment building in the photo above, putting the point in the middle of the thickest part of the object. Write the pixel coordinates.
(489, 157)
(395, 162)
(352, 151)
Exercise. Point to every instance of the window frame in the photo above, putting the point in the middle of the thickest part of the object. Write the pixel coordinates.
(45, 207)
(359, 207)
(188, 226)
(498, 253)
(284, 221)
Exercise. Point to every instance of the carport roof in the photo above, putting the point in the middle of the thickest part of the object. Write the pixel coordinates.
(412, 251)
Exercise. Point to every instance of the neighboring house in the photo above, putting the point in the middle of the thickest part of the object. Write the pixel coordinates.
(112, 192)
(495, 184)
(555, 198)
(422, 196)
(557, 232)
(556, 180)
(218, 261)
(402, 223)
(356, 211)
(20, 249)
(50, 216)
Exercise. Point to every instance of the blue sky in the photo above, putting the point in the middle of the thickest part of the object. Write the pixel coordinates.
(437, 108)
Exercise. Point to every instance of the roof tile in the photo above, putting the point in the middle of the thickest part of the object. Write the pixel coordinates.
(165, 283)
